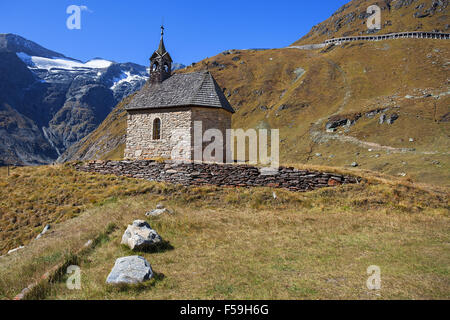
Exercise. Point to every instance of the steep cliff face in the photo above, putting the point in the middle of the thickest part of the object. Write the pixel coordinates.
(106, 141)
(21, 140)
(380, 105)
(396, 16)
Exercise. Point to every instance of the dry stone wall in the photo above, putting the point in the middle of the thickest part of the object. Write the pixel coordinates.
(399, 35)
(190, 173)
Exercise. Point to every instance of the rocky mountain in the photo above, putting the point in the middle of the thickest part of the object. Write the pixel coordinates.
(49, 101)
(382, 106)
(396, 16)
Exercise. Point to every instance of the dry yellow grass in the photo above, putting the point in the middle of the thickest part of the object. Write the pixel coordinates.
(281, 254)
(242, 243)
(31, 197)
(393, 20)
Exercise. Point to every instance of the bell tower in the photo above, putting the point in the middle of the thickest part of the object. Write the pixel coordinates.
(160, 63)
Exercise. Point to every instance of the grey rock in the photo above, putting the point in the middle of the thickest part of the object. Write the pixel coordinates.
(128, 270)
(299, 72)
(88, 243)
(382, 119)
(268, 171)
(156, 212)
(283, 107)
(354, 164)
(335, 124)
(218, 65)
(46, 228)
(140, 235)
(16, 249)
(392, 118)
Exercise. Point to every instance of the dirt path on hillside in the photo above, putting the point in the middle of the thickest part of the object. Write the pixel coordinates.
(319, 136)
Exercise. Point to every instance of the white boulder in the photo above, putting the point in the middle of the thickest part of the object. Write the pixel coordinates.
(140, 235)
(132, 269)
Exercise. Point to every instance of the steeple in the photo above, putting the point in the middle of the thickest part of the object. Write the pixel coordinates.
(160, 62)
(162, 49)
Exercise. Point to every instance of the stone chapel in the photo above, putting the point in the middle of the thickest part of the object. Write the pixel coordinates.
(162, 114)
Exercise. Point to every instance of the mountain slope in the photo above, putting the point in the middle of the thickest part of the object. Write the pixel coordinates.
(396, 16)
(106, 141)
(20, 137)
(329, 103)
(14, 43)
(49, 101)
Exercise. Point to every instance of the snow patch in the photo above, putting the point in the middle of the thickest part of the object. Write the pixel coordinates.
(126, 77)
(60, 63)
(98, 64)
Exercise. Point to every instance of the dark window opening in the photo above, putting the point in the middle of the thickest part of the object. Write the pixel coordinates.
(156, 129)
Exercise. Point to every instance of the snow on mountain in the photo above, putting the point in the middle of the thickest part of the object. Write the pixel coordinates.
(98, 63)
(127, 77)
(61, 63)
(63, 99)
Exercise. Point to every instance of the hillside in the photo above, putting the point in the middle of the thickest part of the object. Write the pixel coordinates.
(106, 142)
(226, 243)
(396, 16)
(304, 92)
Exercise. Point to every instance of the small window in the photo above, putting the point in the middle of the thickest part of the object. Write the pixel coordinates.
(156, 129)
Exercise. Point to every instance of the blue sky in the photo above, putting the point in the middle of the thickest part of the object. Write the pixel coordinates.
(128, 31)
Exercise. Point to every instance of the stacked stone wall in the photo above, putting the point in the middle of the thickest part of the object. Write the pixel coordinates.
(399, 35)
(195, 174)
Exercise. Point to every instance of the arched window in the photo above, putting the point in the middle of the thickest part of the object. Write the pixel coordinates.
(156, 129)
(166, 67)
(155, 66)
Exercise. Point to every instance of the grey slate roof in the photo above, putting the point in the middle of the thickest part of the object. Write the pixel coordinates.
(180, 90)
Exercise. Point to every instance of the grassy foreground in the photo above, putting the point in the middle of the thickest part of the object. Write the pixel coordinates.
(243, 243)
(31, 197)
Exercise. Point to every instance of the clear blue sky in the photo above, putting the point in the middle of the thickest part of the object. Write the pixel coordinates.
(128, 31)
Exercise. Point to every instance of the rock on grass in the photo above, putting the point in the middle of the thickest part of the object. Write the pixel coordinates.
(129, 270)
(140, 236)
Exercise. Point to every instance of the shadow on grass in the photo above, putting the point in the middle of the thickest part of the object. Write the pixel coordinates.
(160, 247)
(136, 287)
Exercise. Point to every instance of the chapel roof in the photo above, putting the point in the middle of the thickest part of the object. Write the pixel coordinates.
(181, 90)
